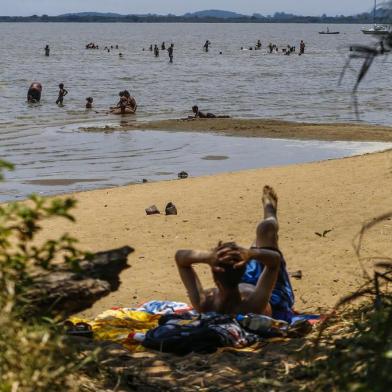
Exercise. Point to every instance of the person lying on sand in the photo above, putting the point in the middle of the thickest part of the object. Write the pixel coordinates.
(199, 114)
(248, 280)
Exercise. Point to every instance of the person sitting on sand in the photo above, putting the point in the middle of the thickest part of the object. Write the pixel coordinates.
(34, 92)
(199, 114)
(126, 104)
(131, 101)
(122, 103)
(248, 280)
(89, 103)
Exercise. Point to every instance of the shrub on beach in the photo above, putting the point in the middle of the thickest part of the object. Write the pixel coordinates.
(33, 355)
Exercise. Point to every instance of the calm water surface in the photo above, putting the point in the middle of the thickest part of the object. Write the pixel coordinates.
(88, 160)
(45, 141)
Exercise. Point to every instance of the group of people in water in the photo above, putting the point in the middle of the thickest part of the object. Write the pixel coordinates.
(273, 48)
(155, 50)
(126, 104)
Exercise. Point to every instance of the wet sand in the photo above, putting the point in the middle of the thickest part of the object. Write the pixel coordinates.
(270, 128)
(336, 195)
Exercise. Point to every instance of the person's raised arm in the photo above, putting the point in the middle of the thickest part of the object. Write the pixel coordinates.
(185, 259)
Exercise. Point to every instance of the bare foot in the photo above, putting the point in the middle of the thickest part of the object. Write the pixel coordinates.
(270, 202)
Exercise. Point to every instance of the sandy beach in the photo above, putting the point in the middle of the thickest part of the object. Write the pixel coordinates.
(338, 195)
(267, 128)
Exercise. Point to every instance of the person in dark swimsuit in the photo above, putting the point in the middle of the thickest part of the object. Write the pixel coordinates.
(248, 280)
(89, 103)
(199, 114)
(170, 51)
(47, 50)
(62, 93)
(34, 92)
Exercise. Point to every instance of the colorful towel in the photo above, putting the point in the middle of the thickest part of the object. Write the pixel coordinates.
(120, 326)
(128, 327)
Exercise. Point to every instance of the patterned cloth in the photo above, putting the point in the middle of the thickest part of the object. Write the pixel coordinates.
(165, 307)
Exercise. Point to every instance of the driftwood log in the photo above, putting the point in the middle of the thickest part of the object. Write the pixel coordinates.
(64, 292)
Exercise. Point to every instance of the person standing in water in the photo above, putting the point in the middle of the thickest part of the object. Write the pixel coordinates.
(47, 51)
(62, 93)
(302, 47)
(156, 51)
(34, 92)
(89, 103)
(163, 47)
(206, 45)
(170, 51)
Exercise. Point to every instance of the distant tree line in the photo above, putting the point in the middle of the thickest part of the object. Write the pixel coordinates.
(383, 16)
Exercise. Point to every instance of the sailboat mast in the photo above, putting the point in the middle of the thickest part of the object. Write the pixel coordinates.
(374, 12)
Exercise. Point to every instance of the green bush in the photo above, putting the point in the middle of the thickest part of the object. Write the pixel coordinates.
(33, 354)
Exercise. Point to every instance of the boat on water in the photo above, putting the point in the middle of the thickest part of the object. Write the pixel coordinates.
(377, 29)
(329, 32)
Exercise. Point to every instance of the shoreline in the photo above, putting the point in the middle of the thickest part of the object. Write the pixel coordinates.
(265, 128)
(227, 207)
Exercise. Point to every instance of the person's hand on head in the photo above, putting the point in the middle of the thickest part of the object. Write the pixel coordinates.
(232, 254)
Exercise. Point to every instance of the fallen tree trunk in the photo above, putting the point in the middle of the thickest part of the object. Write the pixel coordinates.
(64, 292)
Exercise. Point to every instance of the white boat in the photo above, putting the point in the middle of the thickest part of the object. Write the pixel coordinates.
(376, 29)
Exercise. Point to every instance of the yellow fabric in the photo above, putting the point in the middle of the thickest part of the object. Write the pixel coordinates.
(116, 326)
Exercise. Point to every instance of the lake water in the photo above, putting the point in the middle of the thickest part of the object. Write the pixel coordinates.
(45, 141)
(240, 83)
(87, 160)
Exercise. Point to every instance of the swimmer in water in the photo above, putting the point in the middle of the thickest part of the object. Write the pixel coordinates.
(62, 93)
(47, 51)
(89, 103)
(156, 51)
(34, 92)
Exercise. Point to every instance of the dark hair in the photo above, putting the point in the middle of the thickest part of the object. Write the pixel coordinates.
(61, 85)
(230, 277)
(195, 108)
(89, 99)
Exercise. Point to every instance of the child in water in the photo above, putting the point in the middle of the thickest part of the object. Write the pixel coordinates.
(62, 93)
(89, 103)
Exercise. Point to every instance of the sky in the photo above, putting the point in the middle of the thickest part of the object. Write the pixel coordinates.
(179, 7)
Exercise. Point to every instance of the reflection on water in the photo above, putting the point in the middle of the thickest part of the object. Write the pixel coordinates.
(63, 160)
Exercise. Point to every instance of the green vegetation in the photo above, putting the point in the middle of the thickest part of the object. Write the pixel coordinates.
(30, 347)
(212, 16)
